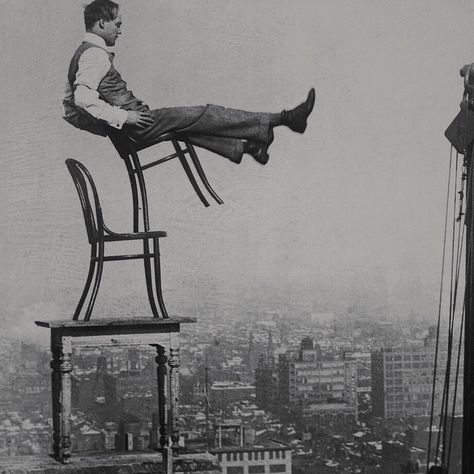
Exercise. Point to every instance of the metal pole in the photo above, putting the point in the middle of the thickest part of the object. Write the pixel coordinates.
(468, 401)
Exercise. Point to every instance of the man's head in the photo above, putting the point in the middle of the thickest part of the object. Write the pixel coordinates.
(103, 18)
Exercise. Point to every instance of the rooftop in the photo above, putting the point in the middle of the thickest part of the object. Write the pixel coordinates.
(109, 463)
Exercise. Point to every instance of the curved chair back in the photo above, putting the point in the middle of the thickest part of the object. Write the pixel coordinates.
(91, 210)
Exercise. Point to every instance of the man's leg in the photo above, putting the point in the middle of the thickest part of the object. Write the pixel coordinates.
(253, 126)
(218, 129)
(210, 120)
(231, 123)
(225, 131)
(231, 148)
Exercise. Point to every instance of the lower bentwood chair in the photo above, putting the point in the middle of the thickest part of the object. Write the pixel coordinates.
(98, 234)
(128, 149)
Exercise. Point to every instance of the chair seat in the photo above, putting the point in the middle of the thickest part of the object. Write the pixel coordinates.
(139, 145)
(113, 237)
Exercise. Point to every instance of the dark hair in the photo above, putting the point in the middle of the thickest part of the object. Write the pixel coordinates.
(100, 10)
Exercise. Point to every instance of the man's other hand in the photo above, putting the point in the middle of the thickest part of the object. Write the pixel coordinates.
(139, 119)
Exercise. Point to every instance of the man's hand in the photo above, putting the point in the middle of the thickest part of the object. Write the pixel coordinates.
(139, 119)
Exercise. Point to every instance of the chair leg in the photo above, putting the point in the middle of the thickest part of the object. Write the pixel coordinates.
(98, 277)
(159, 293)
(148, 279)
(138, 172)
(200, 171)
(88, 282)
(189, 173)
(133, 185)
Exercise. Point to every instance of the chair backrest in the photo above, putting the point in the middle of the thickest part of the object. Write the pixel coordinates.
(91, 210)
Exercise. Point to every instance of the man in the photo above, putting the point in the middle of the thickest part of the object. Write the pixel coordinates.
(98, 97)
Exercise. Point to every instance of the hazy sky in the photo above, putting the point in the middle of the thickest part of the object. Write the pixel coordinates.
(355, 204)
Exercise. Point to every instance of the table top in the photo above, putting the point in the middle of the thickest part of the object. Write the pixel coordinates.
(115, 326)
(115, 322)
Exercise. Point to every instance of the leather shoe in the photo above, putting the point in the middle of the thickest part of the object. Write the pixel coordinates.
(259, 150)
(295, 119)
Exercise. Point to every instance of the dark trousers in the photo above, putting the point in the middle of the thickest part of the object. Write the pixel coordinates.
(218, 129)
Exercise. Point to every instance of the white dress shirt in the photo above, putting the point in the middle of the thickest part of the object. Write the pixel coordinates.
(93, 66)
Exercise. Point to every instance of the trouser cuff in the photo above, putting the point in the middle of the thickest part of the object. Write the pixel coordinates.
(264, 127)
(238, 152)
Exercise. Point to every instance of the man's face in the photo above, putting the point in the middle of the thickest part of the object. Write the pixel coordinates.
(111, 29)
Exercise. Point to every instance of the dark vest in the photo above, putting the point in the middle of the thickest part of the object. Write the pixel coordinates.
(112, 89)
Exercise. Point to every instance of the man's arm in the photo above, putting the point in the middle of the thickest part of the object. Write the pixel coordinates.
(93, 66)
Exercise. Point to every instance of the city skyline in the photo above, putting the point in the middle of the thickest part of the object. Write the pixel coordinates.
(338, 239)
(326, 365)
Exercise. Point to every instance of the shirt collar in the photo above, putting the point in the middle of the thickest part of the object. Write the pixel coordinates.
(97, 40)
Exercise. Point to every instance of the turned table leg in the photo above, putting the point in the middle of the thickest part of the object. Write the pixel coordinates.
(61, 348)
(161, 361)
(174, 364)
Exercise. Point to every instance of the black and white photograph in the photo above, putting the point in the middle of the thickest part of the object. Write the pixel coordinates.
(236, 237)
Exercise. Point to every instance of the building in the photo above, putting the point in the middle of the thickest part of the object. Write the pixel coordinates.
(402, 380)
(256, 460)
(331, 415)
(313, 378)
(224, 394)
(319, 384)
(267, 385)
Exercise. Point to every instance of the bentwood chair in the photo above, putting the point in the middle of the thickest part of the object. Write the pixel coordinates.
(128, 149)
(99, 234)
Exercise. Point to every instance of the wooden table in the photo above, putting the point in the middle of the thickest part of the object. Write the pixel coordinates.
(163, 334)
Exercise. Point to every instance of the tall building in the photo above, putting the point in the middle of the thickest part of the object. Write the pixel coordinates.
(314, 378)
(255, 351)
(267, 384)
(402, 380)
(307, 380)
